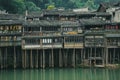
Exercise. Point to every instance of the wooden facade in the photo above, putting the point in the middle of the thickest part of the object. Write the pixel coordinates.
(60, 39)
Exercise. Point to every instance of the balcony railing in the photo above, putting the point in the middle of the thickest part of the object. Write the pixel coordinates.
(112, 31)
(94, 31)
(11, 33)
(41, 33)
(73, 45)
(93, 44)
(50, 45)
(10, 43)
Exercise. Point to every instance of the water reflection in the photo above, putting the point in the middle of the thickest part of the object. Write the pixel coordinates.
(60, 74)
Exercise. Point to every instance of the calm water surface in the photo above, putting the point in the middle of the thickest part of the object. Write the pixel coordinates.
(61, 74)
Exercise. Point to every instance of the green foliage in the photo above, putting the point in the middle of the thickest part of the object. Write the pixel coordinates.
(90, 4)
(50, 7)
(19, 6)
(31, 6)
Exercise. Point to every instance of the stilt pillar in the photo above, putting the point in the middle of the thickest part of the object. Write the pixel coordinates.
(118, 56)
(114, 56)
(65, 59)
(43, 60)
(106, 56)
(103, 56)
(95, 57)
(50, 62)
(52, 58)
(81, 55)
(6, 57)
(73, 58)
(25, 59)
(37, 59)
(60, 58)
(14, 57)
(31, 59)
(90, 56)
(1, 59)
(23, 63)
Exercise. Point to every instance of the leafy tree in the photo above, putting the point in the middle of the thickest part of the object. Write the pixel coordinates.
(90, 4)
(50, 7)
(19, 6)
(30, 6)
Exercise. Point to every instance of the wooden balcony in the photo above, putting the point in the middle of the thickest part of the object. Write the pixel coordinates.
(94, 31)
(93, 44)
(37, 34)
(16, 33)
(10, 43)
(113, 44)
(31, 46)
(43, 46)
(73, 45)
(113, 31)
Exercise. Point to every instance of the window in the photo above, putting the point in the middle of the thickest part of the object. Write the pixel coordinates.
(32, 41)
(47, 40)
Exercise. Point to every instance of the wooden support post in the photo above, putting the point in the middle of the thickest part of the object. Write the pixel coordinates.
(37, 59)
(84, 56)
(84, 53)
(81, 55)
(23, 59)
(73, 58)
(43, 65)
(110, 57)
(31, 59)
(103, 56)
(60, 58)
(52, 58)
(41, 59)
(106, 56)
(114, 56)
(76, 57)
(65, 58)
(118, 56)
(88, 53)
(6, 57)
(95, 55)
(14, 58)
(90, 56)
(1, 58)
(50, 54)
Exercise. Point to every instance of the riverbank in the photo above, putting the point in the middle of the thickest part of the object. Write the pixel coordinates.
(109, 66)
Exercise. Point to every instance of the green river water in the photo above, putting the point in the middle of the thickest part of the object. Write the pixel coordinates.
(61, 74)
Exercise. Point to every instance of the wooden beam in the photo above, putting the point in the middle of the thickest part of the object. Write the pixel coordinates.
(106, 56)
(6, 57)
(90, 56)
(37, 59)
(31, 59)
(114, 56)
(43, 65)
(23, 63)
(1, 58)
(73, 58)
(41, 59)
(25, 59)
(14, 57)
(50, 62)
(52, 58)
(60, 58)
